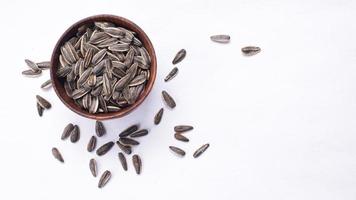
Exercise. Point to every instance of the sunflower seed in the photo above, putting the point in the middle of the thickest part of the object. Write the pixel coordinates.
(47, 84)
(123, 161)
(181, 137)
(32, 65)
(57, 155)
(76, 94)
(104, 179)
(98, 56)
(168, 99)
(138, 80)
(128, 141)
(171, 74)
(114, 32)
(139, 133)
(44, 65)
(98, 37)
(104, 149)
(183, 128)
(137, 163)
(201, 150)
(158, 116)
(63, 71)
(99, 128)
(179, 56)
(67, 131)
(75, 134)
(220, 38)
(43, 102)
(129, 130)
(124, 148)
(177, 150)
(30, 72)
(93, 167)
(88, 57)
(39, 109)
(119, 47)
(91, 144)
(250, 50)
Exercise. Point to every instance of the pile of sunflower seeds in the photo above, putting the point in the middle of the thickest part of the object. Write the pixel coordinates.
(104, 68)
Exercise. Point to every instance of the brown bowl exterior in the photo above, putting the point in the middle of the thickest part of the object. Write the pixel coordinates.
(58, 84)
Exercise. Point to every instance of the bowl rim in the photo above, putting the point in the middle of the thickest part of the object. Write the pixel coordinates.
(110, 18)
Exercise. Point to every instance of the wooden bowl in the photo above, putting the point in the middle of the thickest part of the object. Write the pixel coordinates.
(58, 84)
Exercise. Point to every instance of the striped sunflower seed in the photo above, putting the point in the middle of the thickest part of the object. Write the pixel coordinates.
(158, 117)
(220, 38)
(104, 149)
(32, 65)
(39, 109)
(31, 73)
(123, 161)
(171, 74)
(99, 128)
(168, 99)
(179, 56)
(91, 144)
(75, 134)
(43, 102)
(139, 133)
(47, 84)
(201, 150)
(93, 167)
(129, 130)
(57, 155)
(251, 50)
(137, 163)
(183, 128)
(177, 150)
(44, 65)
(104, 179)
(67, 131)
(128, 141)
(124, 148)
(181, 137)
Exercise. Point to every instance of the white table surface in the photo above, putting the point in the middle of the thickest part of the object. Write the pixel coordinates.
(281, 124)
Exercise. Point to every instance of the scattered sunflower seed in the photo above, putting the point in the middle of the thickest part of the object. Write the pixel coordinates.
(139, 133)
(93, 167)
(99, 128)
(39, 109)
(104, 149)
(158, 117)
(124, 148)
(91, 144)
(57, 155)
(128, 141)
(201, 150)
(104, 179)
(168, 99)
(183, 128)
(171, 74)
(250, 50)
(30, 72)
(129, 130)
(177, 150)
(67, 131)
(179, 56)
(220, 38)
(43, 102)
(123, 161)
(44, 65)
(181, 137)
(75, 134)
(47, 84)
(32, 65)
(137, 163)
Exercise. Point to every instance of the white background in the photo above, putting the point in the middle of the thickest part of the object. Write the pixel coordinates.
(281, 124)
